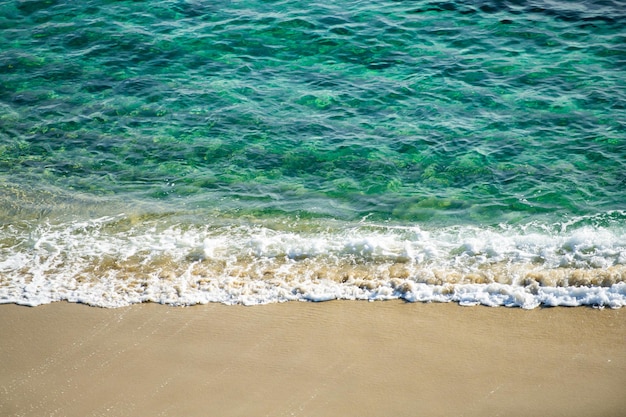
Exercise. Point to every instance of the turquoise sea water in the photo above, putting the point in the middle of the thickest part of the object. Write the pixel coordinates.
(260, 151)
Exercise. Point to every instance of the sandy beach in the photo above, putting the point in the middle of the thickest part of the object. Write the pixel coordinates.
(311, 359)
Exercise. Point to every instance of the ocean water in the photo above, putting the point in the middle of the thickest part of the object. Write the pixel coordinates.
(253, 151)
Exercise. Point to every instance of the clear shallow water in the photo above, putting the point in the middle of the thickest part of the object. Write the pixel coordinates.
(258, 151)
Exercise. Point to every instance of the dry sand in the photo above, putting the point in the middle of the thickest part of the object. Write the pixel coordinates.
(306, 359)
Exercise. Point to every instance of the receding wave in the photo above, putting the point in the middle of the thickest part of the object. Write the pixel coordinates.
(114, 261)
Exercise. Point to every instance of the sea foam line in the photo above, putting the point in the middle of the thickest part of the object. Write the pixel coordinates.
(112, 295)
(110, 262)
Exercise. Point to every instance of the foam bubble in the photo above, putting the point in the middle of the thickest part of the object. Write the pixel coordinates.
(110, 263)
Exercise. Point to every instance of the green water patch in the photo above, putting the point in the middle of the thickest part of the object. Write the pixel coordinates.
(398, 111)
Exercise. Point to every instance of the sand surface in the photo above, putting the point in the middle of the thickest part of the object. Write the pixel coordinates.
(307, 359)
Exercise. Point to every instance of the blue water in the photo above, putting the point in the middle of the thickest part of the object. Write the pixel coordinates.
(262, 151)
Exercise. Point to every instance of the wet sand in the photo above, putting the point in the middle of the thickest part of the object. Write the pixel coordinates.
(341, 358)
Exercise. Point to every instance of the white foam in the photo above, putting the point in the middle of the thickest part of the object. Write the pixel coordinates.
(105, 262)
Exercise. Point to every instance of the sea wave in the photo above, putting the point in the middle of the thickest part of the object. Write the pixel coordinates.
(117, 261)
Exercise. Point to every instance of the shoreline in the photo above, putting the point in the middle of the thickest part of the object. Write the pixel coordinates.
(348, 358)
